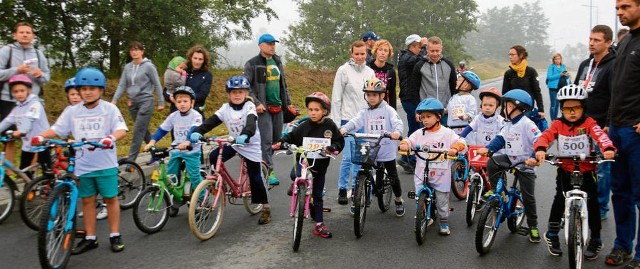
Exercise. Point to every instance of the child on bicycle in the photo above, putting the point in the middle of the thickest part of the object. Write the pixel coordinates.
(435, 135)
(488, 124)
(575, 132)
(181, 121)
(516, 141)
(462, 106)
(318, 126)
(241, 119)
(380, 118)
(95, 120)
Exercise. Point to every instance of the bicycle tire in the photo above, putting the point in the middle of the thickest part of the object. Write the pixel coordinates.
(246, 188)
(49, 241)
(486, 230)
(385, 194)
(360, 204)
(204, 218)
(298, 218)
(515, 222)
(131, 183)
(150, 214)
(422, 221)
(459, 184)
(7, 198)
(34, 197)
(575, 240)
(473, 200)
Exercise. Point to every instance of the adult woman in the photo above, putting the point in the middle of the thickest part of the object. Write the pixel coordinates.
(557, 77)
(139, 78)
(198, 77)
(521, 76)
(382, 51)
(347, 100)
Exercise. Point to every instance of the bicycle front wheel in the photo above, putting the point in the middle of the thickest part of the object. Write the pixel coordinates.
(131, 182)
(360, 204)
(33, 200)
(487, 229)
(205, 214)
(575, 240)
(458, 181)
(298, 217)
(384, 194)
(422, 219)
(473, 199)
(7, 198)
(55, 242)
(151, 210)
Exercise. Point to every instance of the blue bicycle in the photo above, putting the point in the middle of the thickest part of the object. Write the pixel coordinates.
(460, 176)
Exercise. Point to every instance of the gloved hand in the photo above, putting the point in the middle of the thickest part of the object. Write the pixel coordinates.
(195, 137)
(37, 140)
(242, 139)
(107, 141)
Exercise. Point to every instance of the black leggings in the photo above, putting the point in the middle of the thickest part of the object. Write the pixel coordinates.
(392, 173)
(44, 158)
(258, 189)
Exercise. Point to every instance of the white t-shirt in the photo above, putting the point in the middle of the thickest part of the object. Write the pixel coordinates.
(485, 129)
(181, 126)
(461, 105)
(235, 120)
(519, 139)
(29, 110)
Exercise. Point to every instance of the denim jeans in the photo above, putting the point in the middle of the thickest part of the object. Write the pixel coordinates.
(347, 169)
(553, 98)
(625, 186)
(604, 185)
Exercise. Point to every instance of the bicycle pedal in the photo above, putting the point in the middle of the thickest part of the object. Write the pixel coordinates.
(326, 209)
(524, 231)
(411, 195)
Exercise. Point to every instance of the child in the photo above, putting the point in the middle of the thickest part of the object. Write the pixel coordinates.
(488, 124)
(435, 135)
(97, 170)
(181, 122)
(574, 128)
(318, 126)
(462, 106)
(378, 118)
(175, 75)
(516, 140)
(29, 118)
(240, 118)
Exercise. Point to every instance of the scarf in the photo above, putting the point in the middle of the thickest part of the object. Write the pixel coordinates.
(520, 68)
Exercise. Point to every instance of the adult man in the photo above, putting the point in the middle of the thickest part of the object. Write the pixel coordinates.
(20, 58)
(594, 75)
(625, 134)
(269, 92)
(409, 97)
(434, 75)
(370, 39)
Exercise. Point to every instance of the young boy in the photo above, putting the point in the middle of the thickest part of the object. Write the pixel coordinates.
(29, 118)
(572, 130)
(516, 140)
(488, 124)
(435, 135)
(380, 118)
(241, 119)
(98, 168)
(181, 122)
(323, 131)
(462, 106)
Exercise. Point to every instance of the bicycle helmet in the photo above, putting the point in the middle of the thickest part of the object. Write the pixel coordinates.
(572, 92)
(374, 85)
(430, 105)
(237, 82)
(318, 97)
(20, 79)
(521, 98)
(185, 90)
(471, 78)
(90, 76)
(491, 91)
(70, 83)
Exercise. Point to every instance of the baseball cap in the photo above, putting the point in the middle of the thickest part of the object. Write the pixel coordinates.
(267, 38)
(370, 36)
(412, 38)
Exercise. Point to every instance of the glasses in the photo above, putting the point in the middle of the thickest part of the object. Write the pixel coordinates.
(573, 109)
(512, 54)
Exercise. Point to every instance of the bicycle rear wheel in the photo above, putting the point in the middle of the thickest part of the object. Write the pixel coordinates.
(131, 182)
(385, 194)
(422, 219)
(575, 240)
(515, 222)
(34, 197)
(54, 241)
(7, 198)
(458, 181)
(255, 208)
(473, 199)
(298, 218)
(205, 215)
(151, 210)
(487, 229)
(360, 204)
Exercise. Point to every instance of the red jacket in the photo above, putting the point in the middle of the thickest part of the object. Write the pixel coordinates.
(586, 126)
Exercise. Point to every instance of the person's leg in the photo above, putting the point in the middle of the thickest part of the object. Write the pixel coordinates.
(141, 112)
(345, 169)
(258, 189)
(604, 187)
(25, 161)
(192, 163)
(9, 147)
(493, 169)
(527, 182)
(265, 125)
(557, 210)
(553, 110)
(442, 204)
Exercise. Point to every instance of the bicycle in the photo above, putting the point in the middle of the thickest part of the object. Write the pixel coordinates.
(459, 176)
(503, 204)
(163, 198)
(576, 214)
(57, 230)
(208, 199)
(131, 182)
(478, 183)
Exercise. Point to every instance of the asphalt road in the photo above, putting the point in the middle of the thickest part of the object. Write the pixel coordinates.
(241, 243)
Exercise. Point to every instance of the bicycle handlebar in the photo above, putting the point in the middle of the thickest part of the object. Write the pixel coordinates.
(373, 136)
(553, 160)
(75, 144)
(292, 148)
(437, 151)
(8, 136)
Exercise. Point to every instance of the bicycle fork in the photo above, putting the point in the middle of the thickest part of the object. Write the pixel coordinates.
(73, 199)
(576, 199)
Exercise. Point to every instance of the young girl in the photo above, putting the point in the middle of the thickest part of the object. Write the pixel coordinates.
(462, 106)
(241, 119)
(318, 126)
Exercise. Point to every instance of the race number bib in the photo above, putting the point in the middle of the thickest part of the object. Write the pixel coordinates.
(439, 163)
(235, 126)
(457, 111)
(513, 144)
(89, 128)
(376, 126)
(313, 143)
(485, 136)
(573, 145)
(180, 133)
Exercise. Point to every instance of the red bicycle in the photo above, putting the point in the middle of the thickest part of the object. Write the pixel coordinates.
(478, 182)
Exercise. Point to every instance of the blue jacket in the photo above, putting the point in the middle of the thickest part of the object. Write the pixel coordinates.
(553, 75)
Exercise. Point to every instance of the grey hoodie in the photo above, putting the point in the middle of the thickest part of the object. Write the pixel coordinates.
(139, 80)
(18, 56)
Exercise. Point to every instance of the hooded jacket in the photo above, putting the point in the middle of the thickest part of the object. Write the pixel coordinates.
(387, 74)
(19, 55)
(347, 97)
(599, 88)
(436, 80)
(406, 61)
(29, 117)
(139, 80)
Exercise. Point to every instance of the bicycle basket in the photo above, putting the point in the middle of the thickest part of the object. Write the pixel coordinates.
(364, 151)
(476, 159)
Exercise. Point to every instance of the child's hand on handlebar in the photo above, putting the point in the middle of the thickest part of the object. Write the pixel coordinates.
(343, 131)
(195, 137)
(276, 146)
(184, 145)
(147, 147)
(482, 151)
(541, 156)
(404, 146)
(531, 162)
(609, 154)
(395, 136)
(452, 152)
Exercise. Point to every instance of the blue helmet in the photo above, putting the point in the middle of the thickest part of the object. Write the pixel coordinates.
(430, 105)
(521, 98)
(237, 82)
(71, 83)
(90, 76)
(472, 78)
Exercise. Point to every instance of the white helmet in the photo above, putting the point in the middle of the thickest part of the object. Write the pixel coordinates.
(572, 92)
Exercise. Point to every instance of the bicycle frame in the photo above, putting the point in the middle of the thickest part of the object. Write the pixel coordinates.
(230, 186)
(305, 177)
(160, 179)
(505, 207)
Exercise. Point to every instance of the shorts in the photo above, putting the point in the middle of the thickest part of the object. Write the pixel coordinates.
(104, 182)
(5, 110)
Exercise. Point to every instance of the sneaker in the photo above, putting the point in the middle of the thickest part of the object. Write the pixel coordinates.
(290, 190)
(352, 210)
(429, 223)
(265, 217)
(399, 208)
(634, 264)
(273, 180)
(618, 256)
(116, 243)
(593, 249)
(534, 235)
(342, 197)
(101, 212)
(322, 231)
(152, 161)
(444, 229)
(84, 246)
(603, 216)
(553, 244)
(487, 195)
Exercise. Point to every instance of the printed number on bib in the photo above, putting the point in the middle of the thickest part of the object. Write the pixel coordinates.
(313, 143)
(513, 144)
(376, 126)
(458, 111)
(573, 145)
(484, 137)
(89, 128)
(180, 133)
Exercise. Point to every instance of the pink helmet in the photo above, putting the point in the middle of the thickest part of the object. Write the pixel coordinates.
(21, 79)
(319, 97)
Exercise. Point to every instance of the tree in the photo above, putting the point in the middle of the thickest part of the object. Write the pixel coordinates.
(328, 27)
